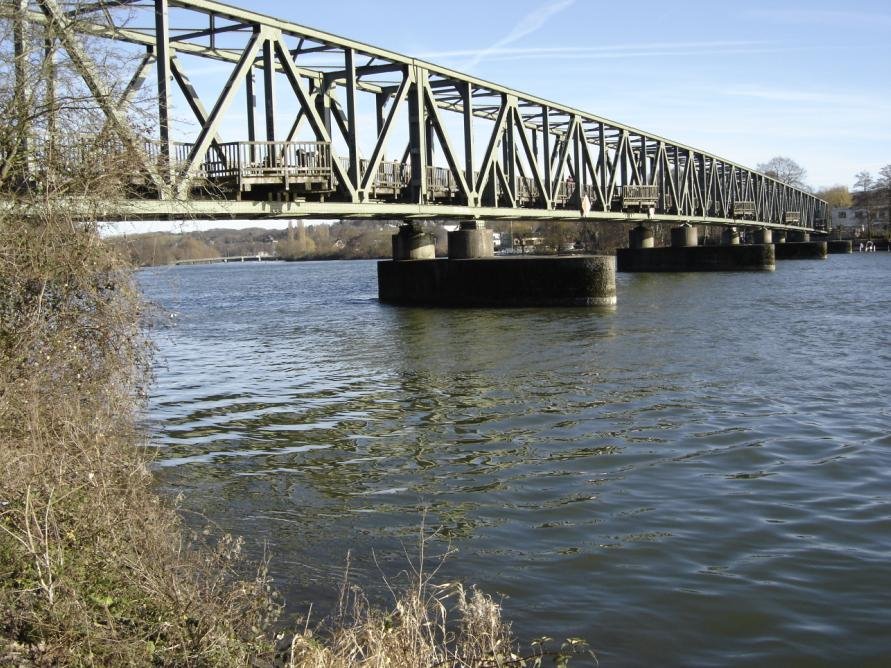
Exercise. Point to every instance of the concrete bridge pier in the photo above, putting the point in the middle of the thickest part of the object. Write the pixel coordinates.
(840, 246)
(472, 276)
(684, 236)
(798, 246)
(685, 254)
(641, 237)
(472, 240)
(763, 236)
(779, 237)
(413, 243)
(730, 236)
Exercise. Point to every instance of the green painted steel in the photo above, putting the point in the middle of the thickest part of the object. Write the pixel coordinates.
(517, 156)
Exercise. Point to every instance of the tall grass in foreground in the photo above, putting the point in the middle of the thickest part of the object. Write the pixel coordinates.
(94, 567)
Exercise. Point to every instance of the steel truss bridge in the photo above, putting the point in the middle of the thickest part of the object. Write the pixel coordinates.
(441, 144)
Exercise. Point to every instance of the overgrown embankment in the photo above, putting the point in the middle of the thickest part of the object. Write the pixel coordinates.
(94, 568)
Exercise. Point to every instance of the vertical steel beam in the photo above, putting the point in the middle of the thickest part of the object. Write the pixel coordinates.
(251, 100)
(703, 185)
(269, 88)
(624, 150)
(162, 67)
(576, 139)
(380, 106)
(467, 110)
(431, 145)
(417, 135)
(352, 125)
(510, 149)
(323, 104)
(546, 151)
(643, 161)
(601, 165)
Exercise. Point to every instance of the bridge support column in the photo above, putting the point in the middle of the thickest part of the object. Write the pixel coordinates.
(730, 236)
(412, 243)
(471, 241)
(799, 236)
(641, 237)
(779, 237)
(802, 250)
(840, 246)
(763, 236)
(684, 236)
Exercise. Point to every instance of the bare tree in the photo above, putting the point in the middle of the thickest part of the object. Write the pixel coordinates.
(863, 181)
(884, 182)
(785, 170)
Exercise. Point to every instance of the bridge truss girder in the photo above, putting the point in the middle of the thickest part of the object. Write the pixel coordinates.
(541, 159)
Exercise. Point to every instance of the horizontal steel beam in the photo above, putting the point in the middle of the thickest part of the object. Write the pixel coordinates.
(226, 209)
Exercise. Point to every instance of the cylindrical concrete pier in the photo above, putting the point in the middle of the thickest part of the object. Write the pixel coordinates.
(472, 240)
(412, 243)
(779, 236)
(641, 237)
(684, 236)
(730, 236)
(582, 280)
(802, 250)
(840, 246)
(763, 236)
(798, 236)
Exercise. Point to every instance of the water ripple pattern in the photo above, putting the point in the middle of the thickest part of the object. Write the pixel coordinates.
(698, 477)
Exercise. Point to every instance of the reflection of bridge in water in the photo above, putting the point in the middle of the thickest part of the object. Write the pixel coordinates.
(463, 147)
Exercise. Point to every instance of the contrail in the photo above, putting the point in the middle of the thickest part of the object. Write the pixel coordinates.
(528, 25)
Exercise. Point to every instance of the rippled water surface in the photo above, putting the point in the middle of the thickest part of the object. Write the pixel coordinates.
(700, 476)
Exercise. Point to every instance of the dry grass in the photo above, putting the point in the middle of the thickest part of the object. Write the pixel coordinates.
(94, 568)
(429, 624)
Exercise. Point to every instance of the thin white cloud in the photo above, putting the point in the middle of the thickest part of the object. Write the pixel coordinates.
(780, 94)
(529, 24)
(823, 17)
(498, 52)
(846, 99)
(614, 52)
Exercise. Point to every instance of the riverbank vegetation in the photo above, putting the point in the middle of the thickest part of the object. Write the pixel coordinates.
(95, 568)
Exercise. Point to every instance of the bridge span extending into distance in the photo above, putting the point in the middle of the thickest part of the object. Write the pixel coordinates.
(327, 127)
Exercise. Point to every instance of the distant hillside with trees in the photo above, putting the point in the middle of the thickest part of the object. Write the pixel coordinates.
(349, 240)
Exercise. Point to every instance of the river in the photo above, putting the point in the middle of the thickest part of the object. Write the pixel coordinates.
(699, 476)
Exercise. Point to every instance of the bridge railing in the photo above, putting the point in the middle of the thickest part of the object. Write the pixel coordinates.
(274, 159)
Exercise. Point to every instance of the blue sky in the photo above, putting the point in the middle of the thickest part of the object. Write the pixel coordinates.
(748, 81)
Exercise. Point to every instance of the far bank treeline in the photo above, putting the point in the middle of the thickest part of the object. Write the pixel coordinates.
(344, 240)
